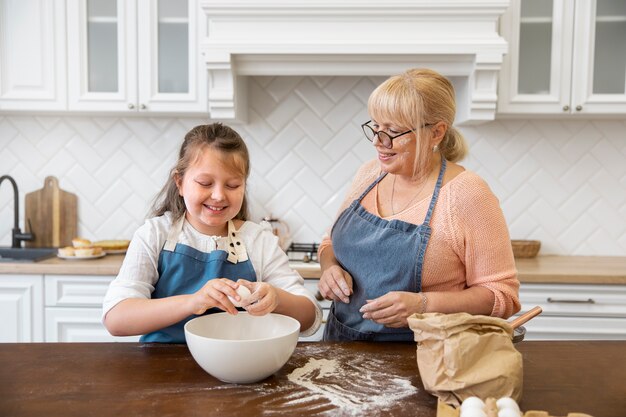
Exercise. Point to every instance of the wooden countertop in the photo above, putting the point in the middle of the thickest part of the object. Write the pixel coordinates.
(374, 379)
(542, 269)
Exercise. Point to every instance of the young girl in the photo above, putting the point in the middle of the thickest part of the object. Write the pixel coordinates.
(198, 249)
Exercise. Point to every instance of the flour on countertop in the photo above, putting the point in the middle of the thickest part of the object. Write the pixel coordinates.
(351, 387)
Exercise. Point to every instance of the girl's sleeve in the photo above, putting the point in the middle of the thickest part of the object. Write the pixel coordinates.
(484, 243)
(275, 270)
(138, 273)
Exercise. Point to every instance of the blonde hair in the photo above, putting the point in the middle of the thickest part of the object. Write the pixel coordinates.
(216, 136)
(413, 99)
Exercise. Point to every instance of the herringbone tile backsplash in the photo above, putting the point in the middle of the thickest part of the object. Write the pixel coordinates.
(560, 181)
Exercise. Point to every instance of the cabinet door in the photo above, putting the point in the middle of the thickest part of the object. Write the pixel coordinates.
(575, 328)
(170, 72)
(32, 55)
(599, 63)
(21, 308)
(536, 72)
(74, 309)
(78, 325)
(575, 311)
(102, 55)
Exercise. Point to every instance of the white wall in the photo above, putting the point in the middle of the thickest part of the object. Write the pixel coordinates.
(560, 181)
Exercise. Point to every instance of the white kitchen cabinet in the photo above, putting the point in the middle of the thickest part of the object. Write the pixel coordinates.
(21, 308)
(575, 311)
(565, 57)
(32, 55)
(135, 56)
(73, 309)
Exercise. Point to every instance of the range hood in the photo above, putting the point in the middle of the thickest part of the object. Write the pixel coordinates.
(458, 38)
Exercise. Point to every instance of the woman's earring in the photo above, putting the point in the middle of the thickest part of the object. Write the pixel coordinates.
(435, 148)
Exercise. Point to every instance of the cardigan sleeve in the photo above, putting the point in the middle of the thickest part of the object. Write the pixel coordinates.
(482, 239)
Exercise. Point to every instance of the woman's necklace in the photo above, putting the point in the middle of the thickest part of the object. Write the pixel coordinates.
(393, 189)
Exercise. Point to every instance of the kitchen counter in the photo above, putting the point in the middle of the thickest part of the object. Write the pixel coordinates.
(542, 269)
(374, 379)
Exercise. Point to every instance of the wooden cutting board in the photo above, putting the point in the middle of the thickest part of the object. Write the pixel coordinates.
(52, 214)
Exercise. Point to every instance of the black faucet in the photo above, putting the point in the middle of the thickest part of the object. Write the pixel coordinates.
(16, 233)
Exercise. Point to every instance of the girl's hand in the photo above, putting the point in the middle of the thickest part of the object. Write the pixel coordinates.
(214, 294)
(263, 300)
(336, 284)
(393, 308)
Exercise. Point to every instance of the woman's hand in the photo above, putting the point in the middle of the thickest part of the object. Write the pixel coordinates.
(393, 308)
(263, 300)
(336, 284)
(214, 294)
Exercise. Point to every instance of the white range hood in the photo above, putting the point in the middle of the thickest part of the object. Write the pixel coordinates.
(458, 38)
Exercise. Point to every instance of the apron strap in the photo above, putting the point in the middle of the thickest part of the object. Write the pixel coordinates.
(174, 232)
(433, 200)
(372, 185)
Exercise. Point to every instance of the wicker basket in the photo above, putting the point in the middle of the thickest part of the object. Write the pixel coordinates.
(525, 248)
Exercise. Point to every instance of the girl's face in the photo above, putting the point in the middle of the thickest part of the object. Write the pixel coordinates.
(213, 190)
(400, 158)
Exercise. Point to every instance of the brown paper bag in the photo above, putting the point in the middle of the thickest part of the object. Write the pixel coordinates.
(461, 355)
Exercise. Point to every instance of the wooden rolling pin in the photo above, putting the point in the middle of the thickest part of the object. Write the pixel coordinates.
(535, 311)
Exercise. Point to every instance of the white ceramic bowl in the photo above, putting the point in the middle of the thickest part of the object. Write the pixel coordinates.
(242, 348)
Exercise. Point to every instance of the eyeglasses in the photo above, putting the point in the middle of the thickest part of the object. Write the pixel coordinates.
(383, 136)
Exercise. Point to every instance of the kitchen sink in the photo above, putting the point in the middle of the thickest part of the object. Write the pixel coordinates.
(26, 254)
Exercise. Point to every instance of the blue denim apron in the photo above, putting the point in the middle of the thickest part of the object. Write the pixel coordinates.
(382, 256)
(184, 270)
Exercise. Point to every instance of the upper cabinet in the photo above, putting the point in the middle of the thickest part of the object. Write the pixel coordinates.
(124, 56)
(32, 55)
(565, 57)
(135, 55)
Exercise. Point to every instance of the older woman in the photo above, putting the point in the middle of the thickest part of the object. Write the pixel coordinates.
(417, 232)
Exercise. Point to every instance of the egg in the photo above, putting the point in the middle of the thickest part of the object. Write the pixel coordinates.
(473, 412)
(472, 403)
(243, 293)
(509, 412)
(507, 402)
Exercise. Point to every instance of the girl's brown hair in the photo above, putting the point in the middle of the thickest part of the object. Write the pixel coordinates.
(413, 99)
(216, 136)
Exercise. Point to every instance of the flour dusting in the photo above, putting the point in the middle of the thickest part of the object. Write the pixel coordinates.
(351, 387)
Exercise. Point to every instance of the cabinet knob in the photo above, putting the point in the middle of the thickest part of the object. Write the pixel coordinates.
(566, 108)
(143, 106)
(131, 106)
(579, 108)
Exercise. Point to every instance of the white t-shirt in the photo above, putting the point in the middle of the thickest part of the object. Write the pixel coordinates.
(138, 274)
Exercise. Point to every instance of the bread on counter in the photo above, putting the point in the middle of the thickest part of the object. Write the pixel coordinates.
(113, 244)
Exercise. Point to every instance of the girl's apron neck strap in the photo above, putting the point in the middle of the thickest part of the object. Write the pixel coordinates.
(433, 200)
(236, 249)
(174, 232)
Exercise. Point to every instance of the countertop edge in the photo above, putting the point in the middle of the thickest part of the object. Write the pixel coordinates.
(548, 269)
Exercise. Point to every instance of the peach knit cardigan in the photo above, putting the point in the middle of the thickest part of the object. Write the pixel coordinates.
(470, 243)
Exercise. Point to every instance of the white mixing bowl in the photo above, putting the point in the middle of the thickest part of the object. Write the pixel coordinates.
(242, 348)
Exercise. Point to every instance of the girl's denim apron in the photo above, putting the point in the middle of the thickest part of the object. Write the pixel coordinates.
(382, 256)
(184, 270)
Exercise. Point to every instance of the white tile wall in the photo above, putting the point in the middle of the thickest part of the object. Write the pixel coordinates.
(560, 181)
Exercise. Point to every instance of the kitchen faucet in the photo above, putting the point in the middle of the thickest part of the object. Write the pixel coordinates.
(16, 233)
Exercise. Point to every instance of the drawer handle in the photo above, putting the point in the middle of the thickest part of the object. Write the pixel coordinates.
(319, 297)
(587, 301)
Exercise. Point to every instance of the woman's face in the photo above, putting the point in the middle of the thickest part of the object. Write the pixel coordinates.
(400, 159)
(213, 191)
